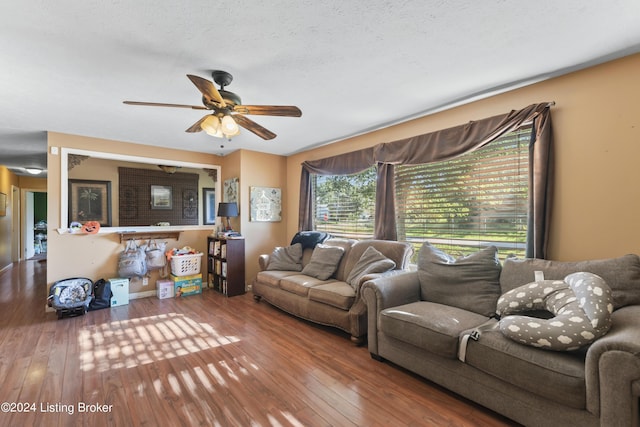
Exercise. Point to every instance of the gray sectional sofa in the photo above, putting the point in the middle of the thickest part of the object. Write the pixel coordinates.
(423, 321)
(320, 280)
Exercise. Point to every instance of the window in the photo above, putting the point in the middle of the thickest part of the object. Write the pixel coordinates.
(345, 204)
(469, 202)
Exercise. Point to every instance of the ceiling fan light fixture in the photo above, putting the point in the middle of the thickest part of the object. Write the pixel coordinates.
(229, 126)
(211, 125)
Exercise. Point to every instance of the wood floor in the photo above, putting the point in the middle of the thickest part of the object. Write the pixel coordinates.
(201, 360)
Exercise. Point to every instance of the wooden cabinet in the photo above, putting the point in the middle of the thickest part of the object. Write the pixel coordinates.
(225, 265)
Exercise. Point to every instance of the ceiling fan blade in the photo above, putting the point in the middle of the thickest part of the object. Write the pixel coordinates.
(157, 104)
(196, 126)
(208, 90)
(252, 126)
(269, 110)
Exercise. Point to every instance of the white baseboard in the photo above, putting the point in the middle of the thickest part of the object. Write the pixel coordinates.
(145, 294)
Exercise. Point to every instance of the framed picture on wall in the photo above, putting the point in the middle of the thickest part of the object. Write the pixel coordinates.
(208, 206)
(161, 197)
(90, 201)
(230, 190)
(266, 204)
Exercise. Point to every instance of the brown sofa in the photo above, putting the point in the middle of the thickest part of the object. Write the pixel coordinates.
(597, 385)
(331, 301)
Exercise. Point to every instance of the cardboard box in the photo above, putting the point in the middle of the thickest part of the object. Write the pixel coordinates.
(187, 285)
(120, 291)
(164, 288)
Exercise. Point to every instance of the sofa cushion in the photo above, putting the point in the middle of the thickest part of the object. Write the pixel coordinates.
(324, 261)
(557, 376)
(430, 326)
(286, 258)
(470, 282)
(299, 284)
(622, 274)
(272, 278)
(336, 294)
(371, 261)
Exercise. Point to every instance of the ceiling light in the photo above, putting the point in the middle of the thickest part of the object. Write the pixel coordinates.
(229, 126)
(33, 171)
(211, 125)
(225, 128)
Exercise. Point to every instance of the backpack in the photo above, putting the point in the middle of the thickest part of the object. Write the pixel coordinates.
(101, 295)
(132, 261)
(155, 256)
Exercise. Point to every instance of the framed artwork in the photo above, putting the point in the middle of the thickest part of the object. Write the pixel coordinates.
(266, 204)
(208, 206)
(161, 197)
(231, 190)
(3, 204)
(90, 201)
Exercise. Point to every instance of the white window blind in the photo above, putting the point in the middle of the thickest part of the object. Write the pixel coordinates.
(345, 204)
(470, 202)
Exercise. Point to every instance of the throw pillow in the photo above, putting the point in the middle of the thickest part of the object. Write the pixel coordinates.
(470, 282)
(371, 261)
(324, 261)
(581, 305)
(287, 258)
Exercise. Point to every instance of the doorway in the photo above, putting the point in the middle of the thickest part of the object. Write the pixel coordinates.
(16, 232)
(35, 224)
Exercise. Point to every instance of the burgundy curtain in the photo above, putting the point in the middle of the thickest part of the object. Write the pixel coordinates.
(442, 145)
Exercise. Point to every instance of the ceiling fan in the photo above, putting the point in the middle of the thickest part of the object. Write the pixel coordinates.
(227, 111)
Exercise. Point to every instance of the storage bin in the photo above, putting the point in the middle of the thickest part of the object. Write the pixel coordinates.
(185, 265)
(120, 291)
(164, 289)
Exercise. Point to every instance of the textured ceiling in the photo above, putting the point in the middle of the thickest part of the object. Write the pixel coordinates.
(351, 66)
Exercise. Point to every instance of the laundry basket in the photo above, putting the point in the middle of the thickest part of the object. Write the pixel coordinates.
(185, 265)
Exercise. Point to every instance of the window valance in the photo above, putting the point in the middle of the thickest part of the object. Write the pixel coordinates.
(442, 145)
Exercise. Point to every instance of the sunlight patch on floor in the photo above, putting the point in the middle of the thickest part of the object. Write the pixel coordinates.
(135, 342)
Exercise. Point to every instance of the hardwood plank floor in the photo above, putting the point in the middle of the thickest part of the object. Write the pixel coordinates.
(202, 360)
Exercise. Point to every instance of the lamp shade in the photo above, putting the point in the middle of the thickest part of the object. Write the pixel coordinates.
(227, 209)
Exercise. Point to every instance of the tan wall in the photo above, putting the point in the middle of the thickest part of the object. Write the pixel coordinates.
(596, 124)
(7, 179)
(256, 170)
(95, 256)
(261, 170)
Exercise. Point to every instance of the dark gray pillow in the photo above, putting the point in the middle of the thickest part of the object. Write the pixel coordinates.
(288, 258)
(371, 261)
(324, 261)
(470, 282)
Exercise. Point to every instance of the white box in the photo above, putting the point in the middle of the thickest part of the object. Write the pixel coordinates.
(164, 288)
(120, 291)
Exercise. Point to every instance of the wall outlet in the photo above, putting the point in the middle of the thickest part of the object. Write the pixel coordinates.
(145, 281)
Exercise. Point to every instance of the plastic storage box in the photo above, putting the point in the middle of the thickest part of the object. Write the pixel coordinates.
(185, 265)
